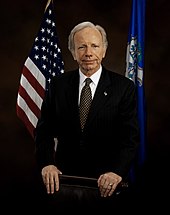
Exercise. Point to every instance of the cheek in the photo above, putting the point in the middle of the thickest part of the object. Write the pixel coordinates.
(75, 56)
(78, 56)
(102, 54)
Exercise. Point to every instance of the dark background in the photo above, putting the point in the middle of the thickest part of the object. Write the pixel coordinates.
(20, 22)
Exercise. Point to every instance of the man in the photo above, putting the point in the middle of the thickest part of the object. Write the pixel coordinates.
(106, 146)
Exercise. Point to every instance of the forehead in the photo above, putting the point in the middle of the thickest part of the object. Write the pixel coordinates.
(88, 34)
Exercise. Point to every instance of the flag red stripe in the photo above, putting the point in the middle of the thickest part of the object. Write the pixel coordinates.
(33, 81)
(21, 114)
(34, 108)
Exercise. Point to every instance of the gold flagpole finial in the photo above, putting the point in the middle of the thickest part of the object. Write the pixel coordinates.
(48, 2)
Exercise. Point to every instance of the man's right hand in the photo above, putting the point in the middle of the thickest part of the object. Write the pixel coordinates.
(50, 178)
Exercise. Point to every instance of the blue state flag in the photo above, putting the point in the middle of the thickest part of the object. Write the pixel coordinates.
(135, 68)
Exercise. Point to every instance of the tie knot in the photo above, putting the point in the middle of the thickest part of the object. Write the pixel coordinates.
(88, 81)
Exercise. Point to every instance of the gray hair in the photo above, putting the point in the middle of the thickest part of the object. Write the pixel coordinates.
(81, 26)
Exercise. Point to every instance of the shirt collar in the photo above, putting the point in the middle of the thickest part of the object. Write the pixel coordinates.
(95, 77)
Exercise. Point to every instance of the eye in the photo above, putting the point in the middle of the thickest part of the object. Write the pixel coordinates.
(95, 46)
(81, 47)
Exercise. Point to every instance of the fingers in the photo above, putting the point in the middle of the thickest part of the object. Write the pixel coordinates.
(107, 183)
(107, 189)
(50, 178)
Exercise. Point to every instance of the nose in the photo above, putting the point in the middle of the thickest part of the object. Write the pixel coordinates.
(89, 52)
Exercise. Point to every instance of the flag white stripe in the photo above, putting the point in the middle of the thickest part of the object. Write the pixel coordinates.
(31, 91)
(23, 105)
(35, 72)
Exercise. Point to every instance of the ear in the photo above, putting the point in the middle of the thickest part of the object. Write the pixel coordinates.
(74, 56)
(104, 53)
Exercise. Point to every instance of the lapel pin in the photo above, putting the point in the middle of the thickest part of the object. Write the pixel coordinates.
(105, 93)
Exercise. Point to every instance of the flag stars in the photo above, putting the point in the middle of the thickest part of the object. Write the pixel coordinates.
(43, 39)
(44, 57)
(42, 30)
(43, 48)
(36, 57)
(47, 51)
(48, 21)
(44, 66)
(36, 48)
(48, 31)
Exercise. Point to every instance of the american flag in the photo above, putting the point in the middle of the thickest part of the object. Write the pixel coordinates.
(43, 62)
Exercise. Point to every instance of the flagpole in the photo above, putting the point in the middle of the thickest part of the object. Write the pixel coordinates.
(49, 1)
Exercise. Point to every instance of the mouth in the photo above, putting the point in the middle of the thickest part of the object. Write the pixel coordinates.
(88, 61)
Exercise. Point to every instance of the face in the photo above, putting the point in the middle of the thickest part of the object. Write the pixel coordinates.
(89, 50)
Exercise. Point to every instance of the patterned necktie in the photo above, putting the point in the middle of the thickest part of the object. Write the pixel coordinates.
(85, 102)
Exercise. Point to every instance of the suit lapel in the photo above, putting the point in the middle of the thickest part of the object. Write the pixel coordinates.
(72, 93)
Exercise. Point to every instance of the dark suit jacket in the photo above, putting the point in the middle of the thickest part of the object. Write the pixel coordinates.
(110, 138)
